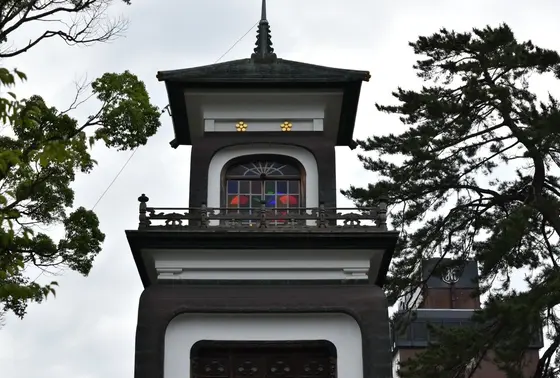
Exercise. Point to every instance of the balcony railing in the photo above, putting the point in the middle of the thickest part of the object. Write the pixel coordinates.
(366, 219)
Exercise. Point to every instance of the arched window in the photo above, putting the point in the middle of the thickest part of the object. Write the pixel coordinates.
(277, 184)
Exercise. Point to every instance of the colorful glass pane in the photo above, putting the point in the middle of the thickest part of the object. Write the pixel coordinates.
(269, 187)
(270, 201)
(282, 186)
(232, 201)
(232, 186)
(276, 185)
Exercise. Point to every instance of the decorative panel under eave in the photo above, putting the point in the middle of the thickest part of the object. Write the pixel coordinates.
(249, 125)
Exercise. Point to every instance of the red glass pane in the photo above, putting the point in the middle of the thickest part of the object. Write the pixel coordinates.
(238, 200)
(289, 200)
(232, 201)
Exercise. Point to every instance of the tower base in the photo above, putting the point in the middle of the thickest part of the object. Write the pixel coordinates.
(342, 328)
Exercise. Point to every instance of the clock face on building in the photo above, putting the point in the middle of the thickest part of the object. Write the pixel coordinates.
(450, 276)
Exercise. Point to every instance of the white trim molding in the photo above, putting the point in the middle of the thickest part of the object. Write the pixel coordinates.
(273, 264)
(186, 330)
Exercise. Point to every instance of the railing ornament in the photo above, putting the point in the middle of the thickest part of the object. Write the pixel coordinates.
(174, 219)
(203, 216)
(351, 219)
(142, 216)
(263, 217)
(381, 218)
(322, 216)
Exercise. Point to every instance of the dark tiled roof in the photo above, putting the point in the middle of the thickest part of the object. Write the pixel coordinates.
(248, 71)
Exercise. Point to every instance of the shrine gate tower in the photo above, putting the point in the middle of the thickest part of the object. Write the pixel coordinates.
(262, 275)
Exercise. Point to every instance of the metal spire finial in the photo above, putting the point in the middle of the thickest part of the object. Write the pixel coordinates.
(263, 52)
(263, 10)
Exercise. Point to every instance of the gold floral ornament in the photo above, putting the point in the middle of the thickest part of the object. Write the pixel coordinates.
(241, 126)
(286, 126)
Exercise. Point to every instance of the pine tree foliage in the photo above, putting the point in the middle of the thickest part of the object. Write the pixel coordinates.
(475, 176)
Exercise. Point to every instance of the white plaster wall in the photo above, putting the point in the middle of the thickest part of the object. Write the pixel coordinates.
(223, 156)
(186, 330)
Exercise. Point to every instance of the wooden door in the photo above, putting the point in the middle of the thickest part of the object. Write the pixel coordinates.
(263, 360)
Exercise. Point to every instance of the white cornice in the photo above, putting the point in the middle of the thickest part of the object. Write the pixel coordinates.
(186, 273)
(339, 265)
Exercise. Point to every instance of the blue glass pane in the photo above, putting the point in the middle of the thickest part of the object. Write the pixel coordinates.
(232, 186)
(270, 201)
(282, 187)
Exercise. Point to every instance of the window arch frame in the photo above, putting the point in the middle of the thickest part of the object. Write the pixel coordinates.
(254, 158)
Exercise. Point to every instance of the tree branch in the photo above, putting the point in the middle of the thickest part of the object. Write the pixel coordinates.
(546, 357)
(76, 33)
(548, 245)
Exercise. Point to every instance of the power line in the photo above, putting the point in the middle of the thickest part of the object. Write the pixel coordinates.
(236, 42)
(115, 179)
(165, 108)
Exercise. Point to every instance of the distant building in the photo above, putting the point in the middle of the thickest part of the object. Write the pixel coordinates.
(448, 298)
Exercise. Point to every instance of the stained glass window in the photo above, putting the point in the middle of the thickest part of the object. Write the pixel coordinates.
(277, 185)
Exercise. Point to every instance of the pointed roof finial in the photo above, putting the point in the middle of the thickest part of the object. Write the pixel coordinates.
(263, 52)
(263, 10)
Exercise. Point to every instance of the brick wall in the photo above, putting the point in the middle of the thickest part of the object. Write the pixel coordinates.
(450, 298)
(486, 369)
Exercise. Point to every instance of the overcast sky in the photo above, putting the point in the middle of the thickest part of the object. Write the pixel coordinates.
(88, 330)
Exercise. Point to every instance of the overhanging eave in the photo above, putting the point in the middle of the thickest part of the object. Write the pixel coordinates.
(141, 240)
(245, 74)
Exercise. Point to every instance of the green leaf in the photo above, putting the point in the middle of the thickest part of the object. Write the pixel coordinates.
(127, 116)
(38, 166)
